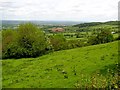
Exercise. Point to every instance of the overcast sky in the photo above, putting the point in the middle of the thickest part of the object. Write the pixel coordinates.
(72, 10)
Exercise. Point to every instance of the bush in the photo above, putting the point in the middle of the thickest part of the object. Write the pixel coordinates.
(30, 41)
(74, 44)
(118, 38)
(104, 36)
(8, 38)
(92, 40)
(58, 42)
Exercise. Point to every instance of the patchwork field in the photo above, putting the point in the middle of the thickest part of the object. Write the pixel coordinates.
(91, 66)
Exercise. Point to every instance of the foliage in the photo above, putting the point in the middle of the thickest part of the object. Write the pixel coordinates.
(88, 24)
(80, 35)
(33, 42)
(28, 41)
(32, 39)
(96, 24)
(58, 42)
(74, 44)
(104, 36)
(118, 38)
(8, 38)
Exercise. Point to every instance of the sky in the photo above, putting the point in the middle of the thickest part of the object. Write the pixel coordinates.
(59, 10)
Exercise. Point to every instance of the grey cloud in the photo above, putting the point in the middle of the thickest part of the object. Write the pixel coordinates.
(9, 5)
(63, 9)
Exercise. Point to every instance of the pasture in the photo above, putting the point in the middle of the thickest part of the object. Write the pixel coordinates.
(85, 67)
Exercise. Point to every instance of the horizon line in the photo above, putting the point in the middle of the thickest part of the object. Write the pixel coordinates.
(56, 20)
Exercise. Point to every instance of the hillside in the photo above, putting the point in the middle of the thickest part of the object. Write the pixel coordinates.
(91, 66)
(96, 23)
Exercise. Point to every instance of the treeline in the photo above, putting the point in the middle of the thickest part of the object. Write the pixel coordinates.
(96, 23)
(30, 41)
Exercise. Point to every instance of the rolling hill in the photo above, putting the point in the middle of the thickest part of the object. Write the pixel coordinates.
(91, 66)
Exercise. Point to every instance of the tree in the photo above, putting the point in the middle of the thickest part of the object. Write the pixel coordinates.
(30, 41)
(8, 38)
(58, 42)
(104, 36)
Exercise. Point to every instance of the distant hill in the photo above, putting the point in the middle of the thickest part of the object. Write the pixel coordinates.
(16, 22)
(96, 23)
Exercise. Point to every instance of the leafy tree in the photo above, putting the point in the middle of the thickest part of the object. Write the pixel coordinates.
(58, 42)
(30, 41)
(8, 38)
(104, 36)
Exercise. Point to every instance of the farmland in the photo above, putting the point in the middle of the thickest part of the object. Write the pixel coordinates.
(59, 44)
(60, 56)
(86, 67)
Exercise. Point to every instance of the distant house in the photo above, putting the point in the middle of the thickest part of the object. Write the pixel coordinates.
(112, 32)
(57, 29)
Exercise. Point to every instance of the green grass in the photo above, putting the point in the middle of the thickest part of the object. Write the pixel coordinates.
(91, 66)
(115, 35)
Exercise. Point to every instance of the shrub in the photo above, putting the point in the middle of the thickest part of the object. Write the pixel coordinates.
(74, 44)
(104, 36)
(118, 38)
(58, 42)
(8, 38)
(92, 40)
(30, 41)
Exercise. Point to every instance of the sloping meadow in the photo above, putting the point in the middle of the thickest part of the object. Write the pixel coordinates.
(87, 67)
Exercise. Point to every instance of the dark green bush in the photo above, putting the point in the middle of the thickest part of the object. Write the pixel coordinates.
(32, 39)
(74, 44)
(58, 42)
(92, 40)
(104, 36)
(27, 41)
(118, 38)
(8, 38)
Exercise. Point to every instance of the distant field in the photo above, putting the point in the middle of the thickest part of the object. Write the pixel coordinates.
(115, 35)
(91, 66)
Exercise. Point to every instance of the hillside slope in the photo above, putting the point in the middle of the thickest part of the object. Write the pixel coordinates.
(91, 66)
(97, 23)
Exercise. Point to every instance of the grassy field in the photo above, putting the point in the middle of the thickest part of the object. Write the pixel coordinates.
(115, 35)
(91, 66)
